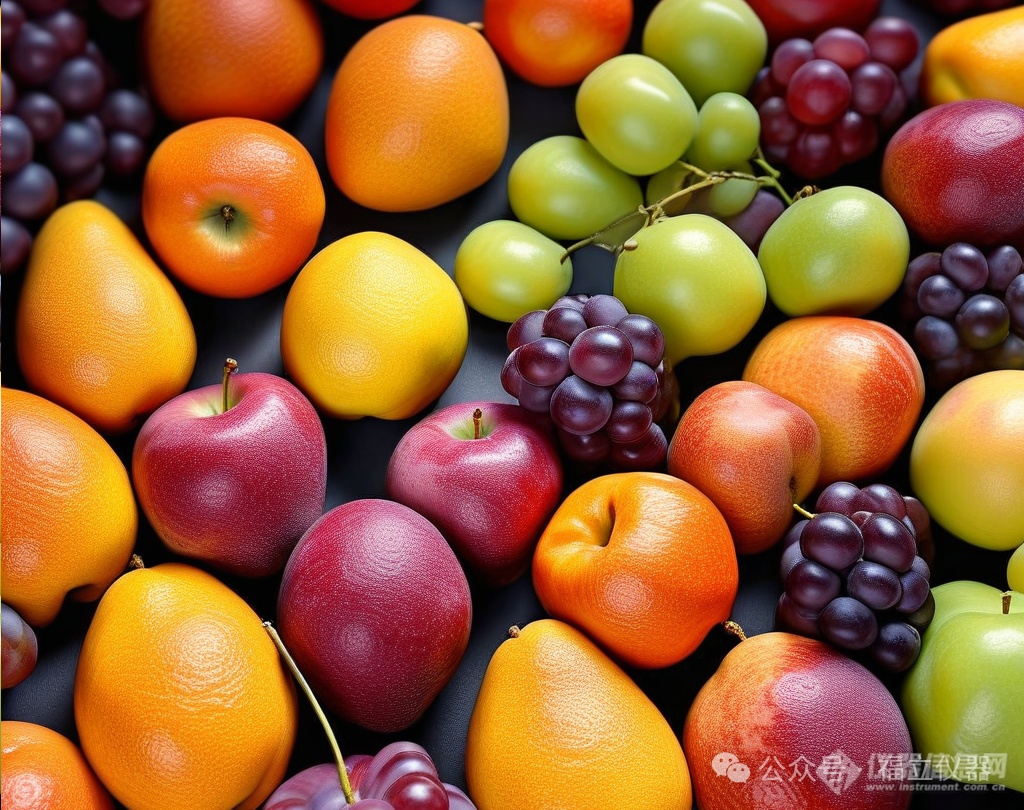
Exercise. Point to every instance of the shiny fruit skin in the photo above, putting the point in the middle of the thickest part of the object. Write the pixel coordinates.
(68, 513)
(786, 19)
(696, 279)
(842, 251)
(558, 712)
(200, 682)
(967, 460)
(554, 43)
(417, 116)
(205, 60)
(371, 9)
(977, 57)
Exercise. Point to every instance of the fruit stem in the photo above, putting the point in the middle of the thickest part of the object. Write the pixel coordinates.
(135, 563)
(735, 629)
(346, 786)
(1006, 602)
(801, 511)
(513, 631)
(771, 177)
(230, 367)
(478, 417)
(227, 213)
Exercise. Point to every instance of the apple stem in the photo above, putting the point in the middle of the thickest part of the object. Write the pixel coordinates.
(1006, 602)
(230, 367)
(801, 511)
(346, 786)
(478, 416)
(735, 629)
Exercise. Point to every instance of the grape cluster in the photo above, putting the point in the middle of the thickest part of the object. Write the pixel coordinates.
(64, 122)
(825, 104)
(601, 374)
(964, 310)
(855, 576)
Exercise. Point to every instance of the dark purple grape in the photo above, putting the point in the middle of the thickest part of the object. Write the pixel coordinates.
(416, 791)
(604, 310)
(920, 567)
(69, 29)
(950, 370)
(639, 385)
(856, 134)
(564, 323)
(1004, 265)
(590, 448)
(124, 9)
(667, 400)
(840, 496)
(78, 86)
(1013, 299)
(896, 646)
(764, 87)
(877, 586)
(843, 46)
(511, 379)
(848, 623)
(923, 616)
(457, 800)
(126, 152)
(528, 327)
(40, 8)
(793, 535)
(815, 153)
(920, 268)
(935, 338)
(13, 19)
(19, 648)
(645, 336)
(892, 41)
(601, 355)
(894, 110)
(939, 295)
(578, 406)
(918, 514)
(791, 555)
(128, 111)
(965, 265)
(535, 398)
(15, 244)
(811, 585)
(41, 113)
(752, 223)
(18, 144)
(915, 591)
(983, 322)
(36, 55)
(818, 92)
(881, 498)
(1007, 355)
(571, 301)
(83, 185)
(30, 193)
(778, 126)
(544, 361)
(889, 542)
(75, 149)
(833, 540)
(628, 422)
(8, 94)
(647, 453)
(871, 88)
(790, 616)
(787, 57)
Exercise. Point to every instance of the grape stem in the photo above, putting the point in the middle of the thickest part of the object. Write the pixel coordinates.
(346, 786)
(656, 210)
(801, 511)
(230, 367)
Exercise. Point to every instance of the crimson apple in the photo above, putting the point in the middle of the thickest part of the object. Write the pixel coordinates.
(488, 475)
(376, 611)
(233, 474)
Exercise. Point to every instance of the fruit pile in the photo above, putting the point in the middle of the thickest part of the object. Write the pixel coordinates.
(492, 389)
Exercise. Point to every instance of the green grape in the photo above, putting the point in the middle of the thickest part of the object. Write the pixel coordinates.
(728, 131)
(505, 269)
(564, 188)
(636, 113)
(668, 181)
(734, 195)
(710, 45)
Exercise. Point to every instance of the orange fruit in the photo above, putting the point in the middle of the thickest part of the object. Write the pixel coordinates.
(642, 562)
(372, 326)
(553, 43)
(557, 724)
(233, 206)
(41, 768)
(181, 700)
(101, 330)
(978, 57)
(253, 58)
(418, 114)
(67, 509)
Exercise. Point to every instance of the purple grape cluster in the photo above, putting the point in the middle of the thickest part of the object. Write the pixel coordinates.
(65, 124)
(964, 311)
(825, 104)
(601, 374)
(855, 576)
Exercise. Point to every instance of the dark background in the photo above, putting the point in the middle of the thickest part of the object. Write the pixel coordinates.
(358, 451)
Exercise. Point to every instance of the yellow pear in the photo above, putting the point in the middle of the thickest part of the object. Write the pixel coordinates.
(101, 330)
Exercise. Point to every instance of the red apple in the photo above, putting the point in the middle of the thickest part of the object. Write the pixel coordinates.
(233, 474)
(753, 453)
(788, 721)
(488, 475)
(785, 19)
(376, 611)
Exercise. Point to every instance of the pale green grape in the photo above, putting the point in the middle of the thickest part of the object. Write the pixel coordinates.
(728, 130)
(636, 113)
(734, 195)
(564, 188)
(668, 181)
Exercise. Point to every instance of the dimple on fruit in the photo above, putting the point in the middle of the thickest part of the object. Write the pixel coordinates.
(177, 673)
(372, 326)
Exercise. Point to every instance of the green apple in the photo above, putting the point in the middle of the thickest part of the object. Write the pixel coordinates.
(695, 278)
(963, 695)
(841, 251)
(967, 460)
